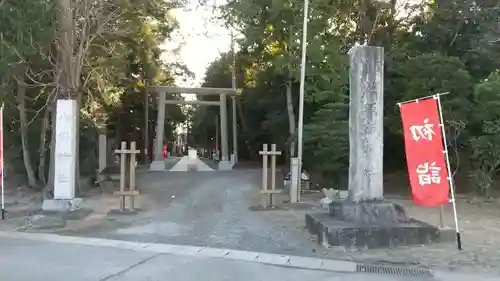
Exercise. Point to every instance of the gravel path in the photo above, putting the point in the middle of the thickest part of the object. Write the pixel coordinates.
(204, 209)
(212, 209)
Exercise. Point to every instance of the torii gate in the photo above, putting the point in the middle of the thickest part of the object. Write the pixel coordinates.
(158, 163)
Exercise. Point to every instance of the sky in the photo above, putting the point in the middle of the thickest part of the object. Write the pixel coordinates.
(201, 39)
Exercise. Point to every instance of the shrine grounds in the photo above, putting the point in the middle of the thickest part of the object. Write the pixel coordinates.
(212, 209)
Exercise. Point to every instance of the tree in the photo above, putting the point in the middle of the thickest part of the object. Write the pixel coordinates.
(486, 144)
(25, 35)
(80, 49)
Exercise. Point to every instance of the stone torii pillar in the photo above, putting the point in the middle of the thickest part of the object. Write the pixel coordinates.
(224, 164)
(223, 128)
(235, 131)
(158, 163)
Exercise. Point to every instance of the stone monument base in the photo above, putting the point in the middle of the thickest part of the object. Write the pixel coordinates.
(61, 205)
(45, 219)
(378, 212)
(370, 224)
(225, 166)
(127, 211)
(157, 166)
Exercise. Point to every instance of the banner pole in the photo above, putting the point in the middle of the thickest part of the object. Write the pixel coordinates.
(1, 161)
(421, 98)
(450, 180)
(441, 216)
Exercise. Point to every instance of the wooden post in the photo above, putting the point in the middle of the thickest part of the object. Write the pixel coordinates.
(264, 173)
(123, 159)
(132, 172)
(130, 191)
(265, 190)
(273, 172)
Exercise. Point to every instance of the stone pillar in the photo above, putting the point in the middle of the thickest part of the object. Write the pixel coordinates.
(366, 113)
(65, 150)
(103, 151)
(217, 146)
(65, 158)
(158, 163)
(294, 184)
(224, 164)
(235, 132)
(223, 128)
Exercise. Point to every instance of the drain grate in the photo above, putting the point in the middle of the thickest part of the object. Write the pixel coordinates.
(395, 271)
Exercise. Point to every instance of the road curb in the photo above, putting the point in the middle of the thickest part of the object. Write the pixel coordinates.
(207, 252)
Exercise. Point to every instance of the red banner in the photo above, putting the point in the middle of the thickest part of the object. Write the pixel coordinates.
(425, 152)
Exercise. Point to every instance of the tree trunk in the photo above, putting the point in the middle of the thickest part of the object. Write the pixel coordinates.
(23, 118)
(391, 26)
(42, 150)
(65, 88)
(363, 22)
(49, 186)
(79, 101)
(244, 126)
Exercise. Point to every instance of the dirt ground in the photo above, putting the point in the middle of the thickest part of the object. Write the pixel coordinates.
(185, 214)
(479, 226)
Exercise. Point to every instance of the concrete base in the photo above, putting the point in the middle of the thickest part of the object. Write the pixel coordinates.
(225, 166)
(43, 221)
(61, 205)
(369, 224)
(447, 234)
(54, 219)
(124, 212)
(157, 166)
(368, 212)
(334, 232)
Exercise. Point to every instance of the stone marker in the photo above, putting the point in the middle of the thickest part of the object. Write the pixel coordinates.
(366, 123)
(65, 159)
(366, 126)
(365, 219)
(103, 159)
(294, 186)
(103, 153)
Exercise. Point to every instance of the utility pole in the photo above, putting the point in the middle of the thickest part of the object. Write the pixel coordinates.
(233, 84)
(301, 93)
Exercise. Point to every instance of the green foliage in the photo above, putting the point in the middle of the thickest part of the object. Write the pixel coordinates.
(453, 47)
(327, 135)
(26, 29)
(428, 49)
(486, 146)
(122, 58)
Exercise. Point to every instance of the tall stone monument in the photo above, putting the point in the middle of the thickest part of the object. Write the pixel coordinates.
(365, 219)
(366, 123)
(366, 145)
(65, 159)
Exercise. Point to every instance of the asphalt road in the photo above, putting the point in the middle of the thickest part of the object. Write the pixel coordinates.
(56, 258)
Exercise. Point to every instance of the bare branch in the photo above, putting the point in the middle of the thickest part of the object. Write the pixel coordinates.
(47, 103)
